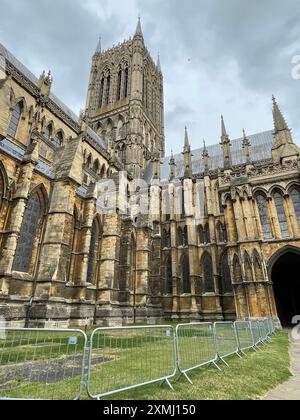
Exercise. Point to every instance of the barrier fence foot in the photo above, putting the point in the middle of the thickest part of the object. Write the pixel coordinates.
(238, 354)
(243, 353)
(169, 384)
(225, 363)
(218, 367)
(189, 380)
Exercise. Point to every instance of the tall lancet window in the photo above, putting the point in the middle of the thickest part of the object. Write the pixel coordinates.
(186, 281)
(15, 119)
(263, 214)
(126, 78)
(296, 201)
(278, 199)
(208, 273)
(107, 91)
(119, 86)
(101, 92)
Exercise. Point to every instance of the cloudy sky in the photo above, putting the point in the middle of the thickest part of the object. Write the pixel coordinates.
(218, 57)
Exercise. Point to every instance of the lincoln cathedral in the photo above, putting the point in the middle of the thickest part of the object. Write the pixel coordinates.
(65, 261)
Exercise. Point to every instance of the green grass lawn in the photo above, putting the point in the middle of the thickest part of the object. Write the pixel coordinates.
(114, 366)
(247, 379)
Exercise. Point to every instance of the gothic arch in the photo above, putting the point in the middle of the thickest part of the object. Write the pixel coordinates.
(225, 273)
(248, 267)
(237, 270)
(276, 255)
(208, 274)
(185, 274)
(168, 275)
(258, 266)
(4, 183)
(28, 246)
(94, 252)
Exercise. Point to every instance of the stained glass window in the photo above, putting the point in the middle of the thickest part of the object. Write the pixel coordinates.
(226, 276)
(15, 120)
(92, 254)
(186, 282)
(169, 277)
(208, 273)
(296, 201)
(24, 251)
(264, 219)
(278, 199)
(58, 139)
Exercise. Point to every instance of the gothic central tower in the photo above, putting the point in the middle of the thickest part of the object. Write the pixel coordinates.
(125, 103)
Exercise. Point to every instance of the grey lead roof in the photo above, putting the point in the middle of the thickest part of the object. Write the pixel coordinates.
(261, 149)
(30, 76)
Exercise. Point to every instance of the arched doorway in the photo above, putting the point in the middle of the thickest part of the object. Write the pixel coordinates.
(284, 270)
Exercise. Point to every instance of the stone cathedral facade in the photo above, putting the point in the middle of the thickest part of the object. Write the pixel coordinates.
(221, 239)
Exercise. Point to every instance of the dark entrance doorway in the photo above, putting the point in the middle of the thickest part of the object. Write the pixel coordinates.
(286, 279)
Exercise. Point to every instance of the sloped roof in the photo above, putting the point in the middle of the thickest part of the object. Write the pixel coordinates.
(33, 79)
(261, 149)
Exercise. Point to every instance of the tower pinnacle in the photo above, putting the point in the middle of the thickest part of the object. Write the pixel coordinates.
(99, 46)
(279, 121)
(139, 31)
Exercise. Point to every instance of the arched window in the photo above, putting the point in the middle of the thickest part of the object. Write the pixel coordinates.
(226, 276)
(93, 254)
(278, 200)
(107, 91)
(258, 268)
(238, 278)
(248, 268)
(96, 166)
(169, 277)
(28, 235)
(48, 132)
(185, 236)
(89, 161)
(126, 74)
(180, 237)
(220, 233)
(166, 239)
(263, 214)
(201, 235)
(58, 139)
(296, 201)
(15, 120)
(166, 205)
(207, 234)
(123, 154)
(186, 281)
(208, 273)
(119, 86)
(101, 92)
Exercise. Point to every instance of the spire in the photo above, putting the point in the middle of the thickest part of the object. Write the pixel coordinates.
(172, 165)
(99, 46)
(158, 65)
(226, 144)
(188, 172)
(187, 147)
(205, 156)
(279, 121)
(246, 147)
(139, 31)
(224, 132)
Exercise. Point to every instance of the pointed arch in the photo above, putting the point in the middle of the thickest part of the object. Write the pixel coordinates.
(94, 252)
(207, 234)
(58, 138)
(258, 267)
(237, 270)
(208, 275)
(49, 130)
(96, 166)
(220, 232)
(295, 195)
(248, 267)
(169, 276)
(15, 119)
(201, 234)
(185, 274)
(28, 246)
(279, 204)
(263, 214)
(226, 275)
(180, 236)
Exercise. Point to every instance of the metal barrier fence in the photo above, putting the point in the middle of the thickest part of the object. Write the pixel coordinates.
(41, 364)
(244, 335)
(122, 359)
(196, 347)
(47, 364)
(226, 340)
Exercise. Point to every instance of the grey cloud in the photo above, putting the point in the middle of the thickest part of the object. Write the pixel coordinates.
(217, 56)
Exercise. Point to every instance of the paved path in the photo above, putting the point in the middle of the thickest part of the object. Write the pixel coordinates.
(289, 390)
